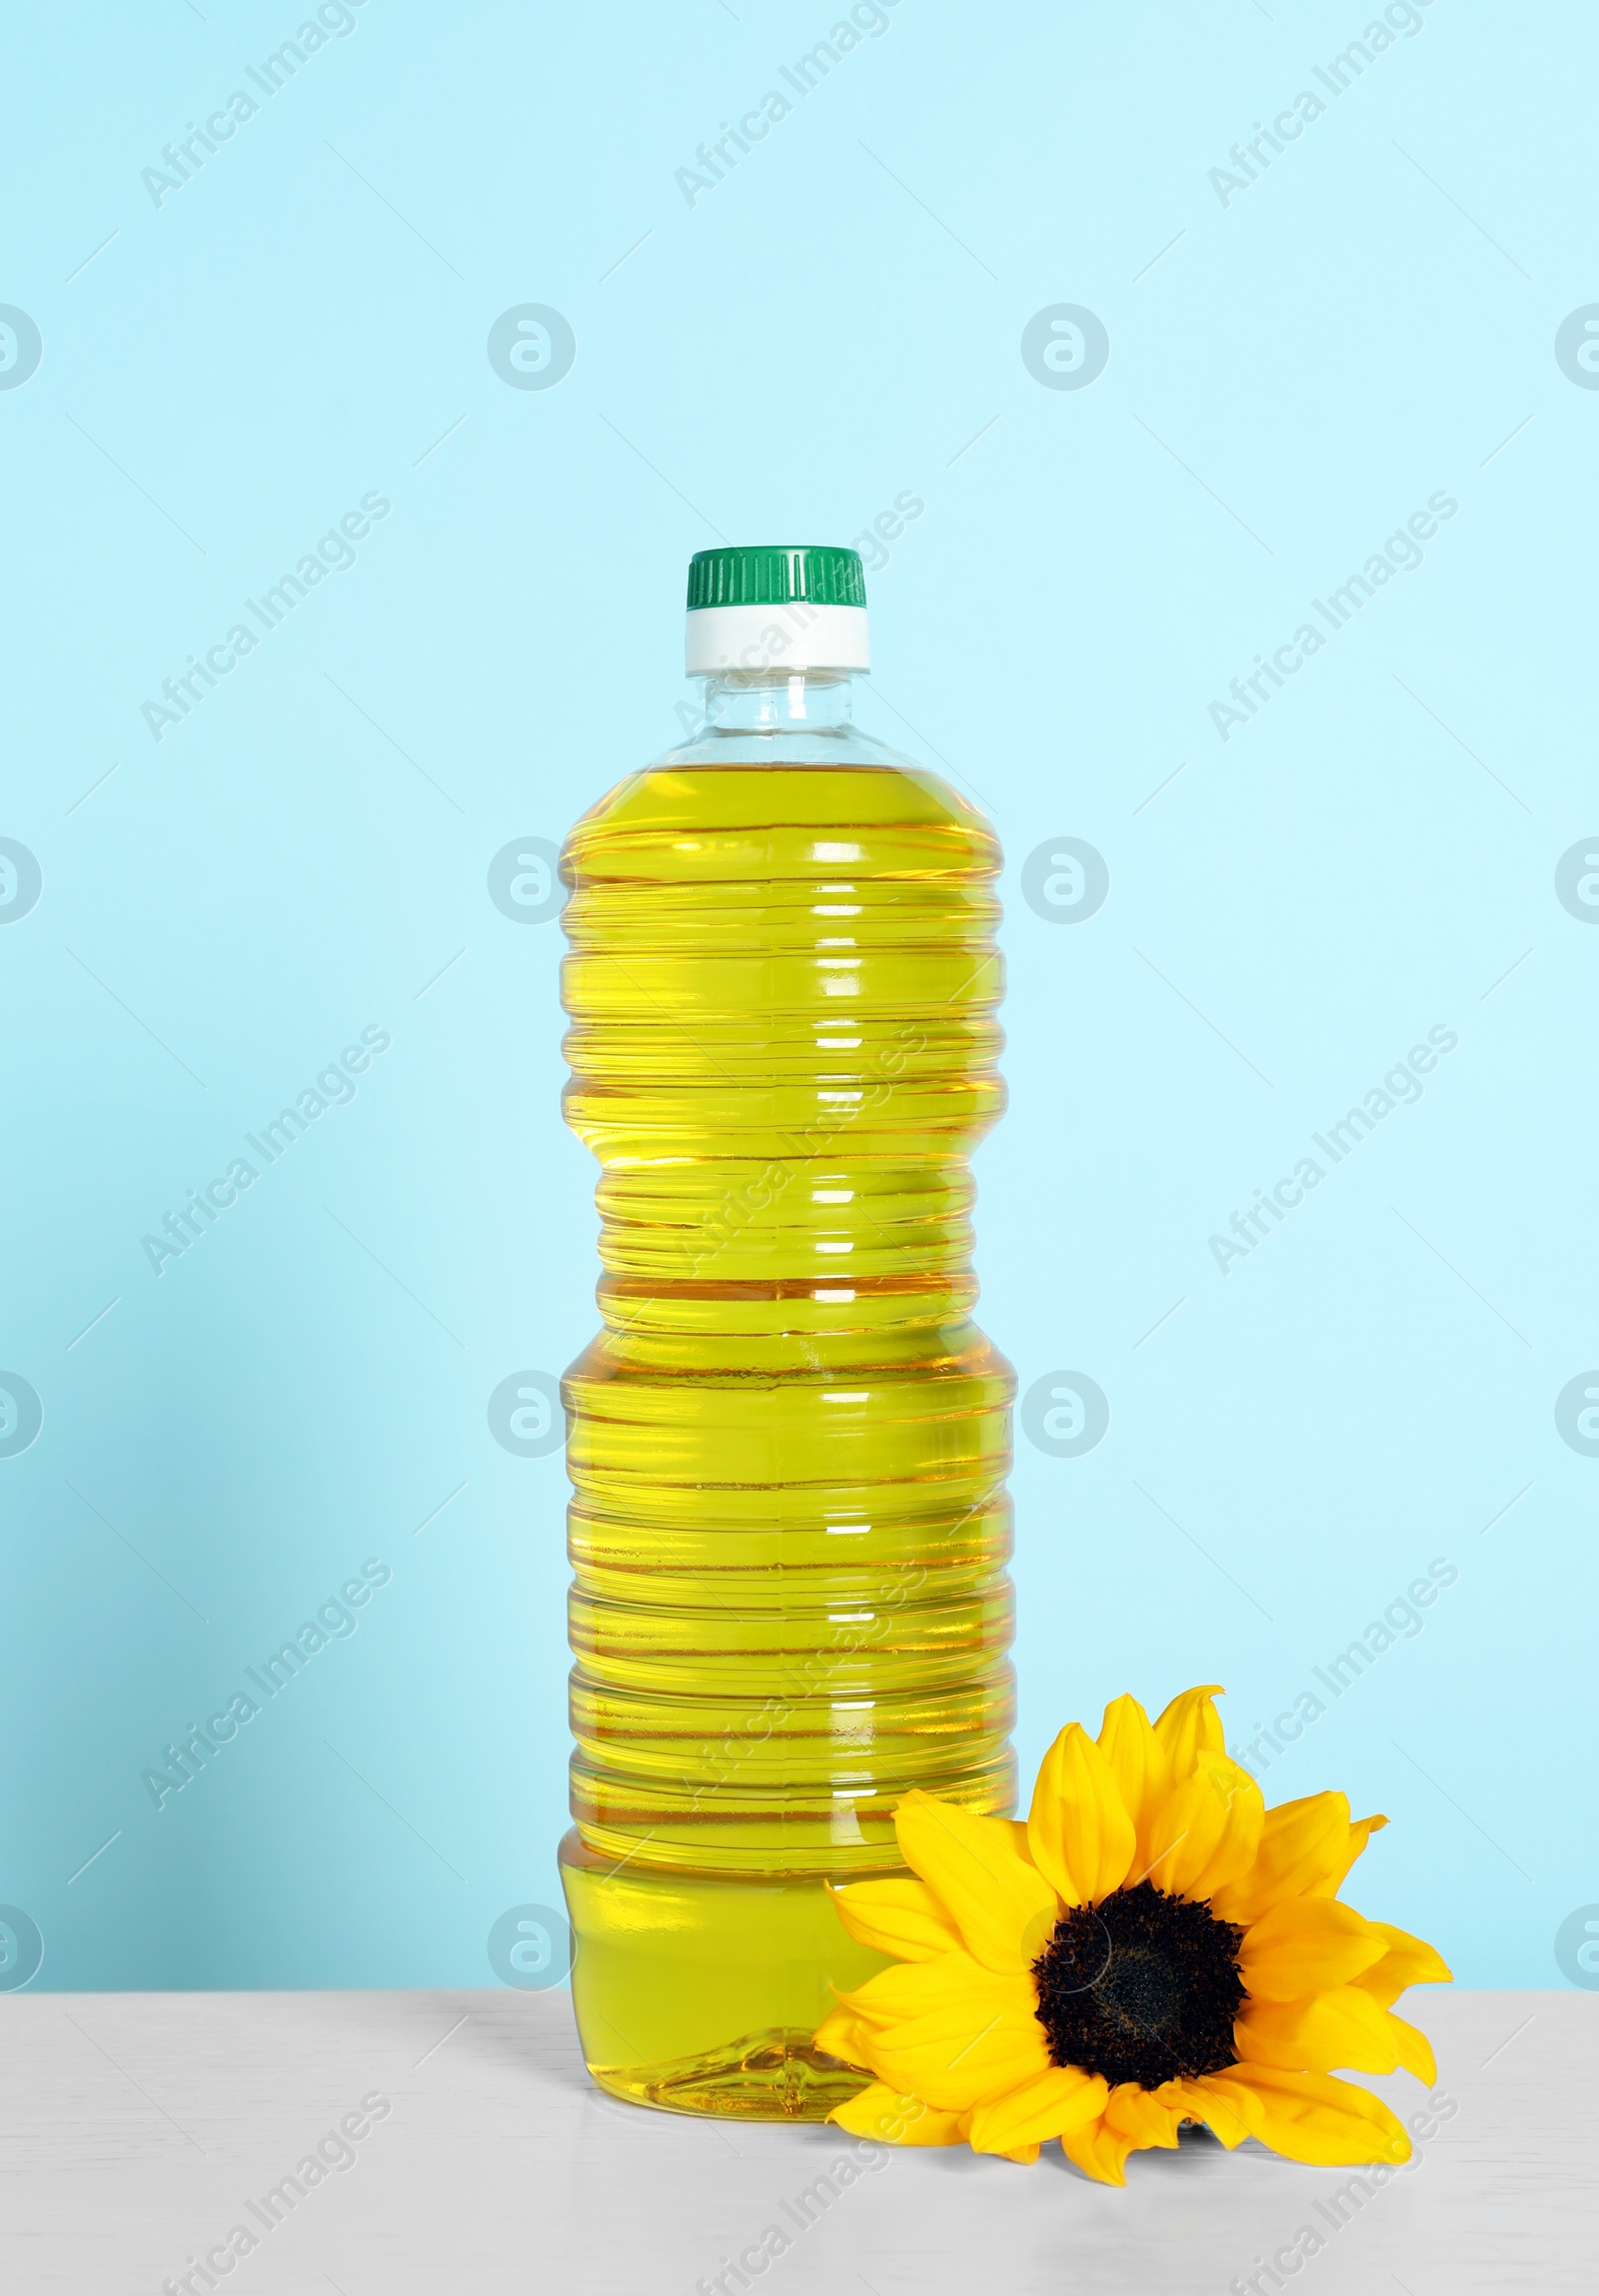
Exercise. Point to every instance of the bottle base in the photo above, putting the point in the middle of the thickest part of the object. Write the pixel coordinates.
(764, 2076)
(699, 1993)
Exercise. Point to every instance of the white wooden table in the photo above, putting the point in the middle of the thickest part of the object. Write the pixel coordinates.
(138, 2128)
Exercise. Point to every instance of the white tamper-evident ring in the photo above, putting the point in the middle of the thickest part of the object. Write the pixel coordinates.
(794, 635)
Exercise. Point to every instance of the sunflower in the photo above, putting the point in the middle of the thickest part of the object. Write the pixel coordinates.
(1152, 1947)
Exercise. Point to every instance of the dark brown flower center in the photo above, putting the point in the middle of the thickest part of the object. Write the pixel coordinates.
(1140, 1987)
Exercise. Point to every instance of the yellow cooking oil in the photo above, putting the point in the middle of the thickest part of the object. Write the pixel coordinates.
(787, 1445)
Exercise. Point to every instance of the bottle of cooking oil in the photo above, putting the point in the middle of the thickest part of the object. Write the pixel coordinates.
(788, 1446)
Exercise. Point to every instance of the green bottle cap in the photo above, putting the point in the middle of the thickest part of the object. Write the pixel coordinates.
(817, 573)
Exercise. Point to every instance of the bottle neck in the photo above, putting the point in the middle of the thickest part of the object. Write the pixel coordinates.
(773, 701)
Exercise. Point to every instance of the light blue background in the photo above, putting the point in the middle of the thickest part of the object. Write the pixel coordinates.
(831, 326)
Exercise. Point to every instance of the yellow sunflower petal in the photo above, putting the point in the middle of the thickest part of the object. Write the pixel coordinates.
(1078, 1830)
(1415, 2050)
(948, 2031)
(1302, 1843)
(1313, 2118)
(1048, 2105)
(890, 2117)
(958, 2060)
(1225, 2116)
(1143, 2116)
(1139, 1765)
(1101, 2153)
(1188, 1728)
(1360, 1832)
(1339, 2028)
(842, 2033)
(1004, 1906)
(1305, 1944)
(912, 1988)
(898, 1916)
(1407, 1962)
(965, 2049)
(1209, 1829)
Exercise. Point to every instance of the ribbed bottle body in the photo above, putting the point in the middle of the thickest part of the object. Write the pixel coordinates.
(787, 1445)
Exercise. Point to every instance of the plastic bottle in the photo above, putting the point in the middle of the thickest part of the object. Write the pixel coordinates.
(788, 1446)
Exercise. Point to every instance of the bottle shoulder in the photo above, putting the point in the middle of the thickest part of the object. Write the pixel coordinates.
(831, 746)
(830, 800)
